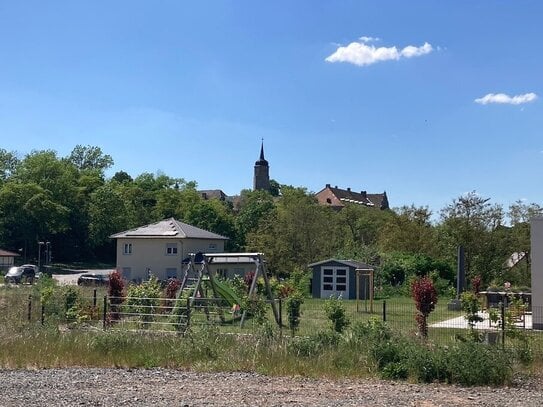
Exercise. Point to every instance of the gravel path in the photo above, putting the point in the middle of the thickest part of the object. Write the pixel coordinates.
(163, 387)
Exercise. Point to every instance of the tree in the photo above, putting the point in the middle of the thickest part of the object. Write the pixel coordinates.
(8, 164)
(90, 158)
(275, 188)
(121, 177)
(471, 221)
(45, 169)
(409, 230)
(520, 214)
(107, 215)
(361, 224)
(213, 215)
(58, 210)
(296, 233)
(254, 206)
(174, 201)
(397, 267)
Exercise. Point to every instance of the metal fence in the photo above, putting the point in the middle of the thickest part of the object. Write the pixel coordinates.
(502, 325)
(498, 325)
(152, 314)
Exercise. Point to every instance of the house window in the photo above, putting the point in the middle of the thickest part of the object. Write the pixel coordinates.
(212, 247)
(171, 249)
(127, 248)
(171, 273)
(334, 281)
(127, 273)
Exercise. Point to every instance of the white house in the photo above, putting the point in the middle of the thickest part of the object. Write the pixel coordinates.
(159, 248)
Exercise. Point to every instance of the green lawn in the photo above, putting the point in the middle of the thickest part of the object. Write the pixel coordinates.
(400, 315)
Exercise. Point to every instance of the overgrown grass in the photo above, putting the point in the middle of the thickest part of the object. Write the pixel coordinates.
(367, 348)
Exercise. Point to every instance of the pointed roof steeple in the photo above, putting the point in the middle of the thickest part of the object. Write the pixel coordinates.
(262, 160)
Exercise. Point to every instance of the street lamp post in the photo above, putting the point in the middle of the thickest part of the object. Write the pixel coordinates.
(47, 253)
(40, 244)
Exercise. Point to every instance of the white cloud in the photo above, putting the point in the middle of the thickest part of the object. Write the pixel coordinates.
(411, 51)
(502, 98)
(368, 39)
(361, 54)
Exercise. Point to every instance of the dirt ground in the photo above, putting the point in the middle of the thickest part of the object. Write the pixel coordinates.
(164, 387)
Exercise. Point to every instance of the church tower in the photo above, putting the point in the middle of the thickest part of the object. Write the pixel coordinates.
(261, 178)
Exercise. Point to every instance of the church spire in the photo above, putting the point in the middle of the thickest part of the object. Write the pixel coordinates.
(262, 151)
(262, 160)
(261, 178)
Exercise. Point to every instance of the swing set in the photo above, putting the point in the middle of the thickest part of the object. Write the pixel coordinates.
(198, 282)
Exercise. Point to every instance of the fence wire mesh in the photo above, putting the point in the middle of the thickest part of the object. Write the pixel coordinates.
(503, 325)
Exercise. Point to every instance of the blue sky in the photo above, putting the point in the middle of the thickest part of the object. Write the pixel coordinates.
(372, 95)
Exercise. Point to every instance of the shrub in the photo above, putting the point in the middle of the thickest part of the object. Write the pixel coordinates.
(314, 344)
(256, 307)
(425, 296)
(299, 280)
(522, 343)
(385, 349)
(472, 363)
(172, 287)
(471, 307)
(171, 293)
(335, 311)
(428, 364)
(205, 342)
(248, 279)
(395, 371)
(476, 284)
(239, 286)
(285, 290)
(116, 295)
(372, 330)
(294, 304)
(46, 289)
(71, 298)
(143, 299)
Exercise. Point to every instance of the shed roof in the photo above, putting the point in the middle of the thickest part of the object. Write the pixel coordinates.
(349, 263)
(6, 253)
(168, 229)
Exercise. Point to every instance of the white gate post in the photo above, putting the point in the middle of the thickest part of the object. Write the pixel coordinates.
(536, 254)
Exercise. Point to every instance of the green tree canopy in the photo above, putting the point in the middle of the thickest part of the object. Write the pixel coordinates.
(87, 158)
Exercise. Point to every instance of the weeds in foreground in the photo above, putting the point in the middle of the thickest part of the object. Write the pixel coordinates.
(361, 349)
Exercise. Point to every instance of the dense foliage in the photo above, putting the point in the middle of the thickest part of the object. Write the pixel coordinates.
(72, 204)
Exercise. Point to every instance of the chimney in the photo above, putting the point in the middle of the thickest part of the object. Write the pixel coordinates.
(327, 185)
(349, 189)
(363, 193)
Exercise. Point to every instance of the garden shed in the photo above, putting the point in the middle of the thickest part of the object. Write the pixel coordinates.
(7, 259)
(340, 277)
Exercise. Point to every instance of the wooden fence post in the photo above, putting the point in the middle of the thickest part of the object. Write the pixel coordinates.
(104, 313)
(29, 308)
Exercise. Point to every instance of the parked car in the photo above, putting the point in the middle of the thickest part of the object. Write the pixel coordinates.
(21, 274)
(93, 279)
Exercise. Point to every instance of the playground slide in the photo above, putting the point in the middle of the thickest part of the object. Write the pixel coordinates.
(226, 292)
